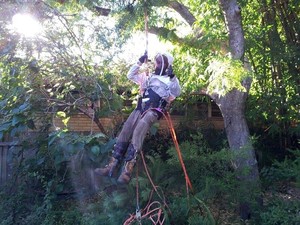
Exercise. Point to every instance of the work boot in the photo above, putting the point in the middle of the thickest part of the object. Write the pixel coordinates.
(125, 176)
(108, 169)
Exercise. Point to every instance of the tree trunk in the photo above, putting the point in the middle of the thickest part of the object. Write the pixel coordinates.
(232, 106)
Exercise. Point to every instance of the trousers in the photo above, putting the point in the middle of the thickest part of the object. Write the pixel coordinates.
(135, 129)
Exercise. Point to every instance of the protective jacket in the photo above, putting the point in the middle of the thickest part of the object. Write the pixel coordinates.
(167, 88)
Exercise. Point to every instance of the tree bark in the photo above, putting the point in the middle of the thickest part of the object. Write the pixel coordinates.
(232, 106)
(183, 11)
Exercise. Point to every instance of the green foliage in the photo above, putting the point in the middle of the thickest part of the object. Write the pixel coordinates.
(209, 170)
(279, 180)
(61, 73)
(67, 70)
(225, 74)
(286, 170)
(212, 178)
(50, 172)
(274, 54)
(280, 211)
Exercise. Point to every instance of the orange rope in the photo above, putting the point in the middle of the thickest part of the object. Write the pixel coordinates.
(174, 137)
(154, 214)
(148, 174)
(173, 134)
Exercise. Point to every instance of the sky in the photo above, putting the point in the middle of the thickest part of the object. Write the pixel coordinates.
(136, 46)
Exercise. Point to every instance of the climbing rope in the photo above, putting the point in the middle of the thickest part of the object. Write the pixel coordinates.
(153, 211)
(137, 211)
(174, 137)
(146, 28)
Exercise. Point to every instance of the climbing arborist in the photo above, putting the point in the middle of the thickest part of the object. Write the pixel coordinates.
(157, 90)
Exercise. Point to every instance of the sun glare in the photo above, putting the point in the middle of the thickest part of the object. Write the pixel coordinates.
(26, 25)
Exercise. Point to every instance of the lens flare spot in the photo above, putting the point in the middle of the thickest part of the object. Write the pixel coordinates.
(26, 25)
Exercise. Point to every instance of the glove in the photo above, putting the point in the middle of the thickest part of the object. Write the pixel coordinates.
(170, 72)
(143, 58)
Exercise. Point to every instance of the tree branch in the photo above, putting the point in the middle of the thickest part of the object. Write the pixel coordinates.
(167, 34)
(183, 11)
(192, 42)
(102, 11)
(232, 14)
(94, 118)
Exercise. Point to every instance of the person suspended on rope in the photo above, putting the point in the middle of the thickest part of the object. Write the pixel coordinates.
(157, 90)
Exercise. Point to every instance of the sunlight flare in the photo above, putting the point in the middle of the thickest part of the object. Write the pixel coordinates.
(26, 25)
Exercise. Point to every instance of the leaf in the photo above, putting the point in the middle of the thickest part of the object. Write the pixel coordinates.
(17, 119)
(17, 130)
(95, 150)
(154, 128)
(82, 2)
(21, 108)
(99, 135)
(108, 146)
(40, 161)
(66, 120)
(120, 199)
(59, 158)
(78, 146)
(3, 103)
(30, 124)
(52, 140)
(24, 107)
(61, 114)
(5, 126)
(59, 188)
